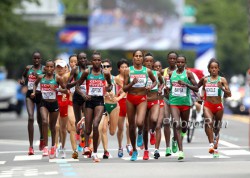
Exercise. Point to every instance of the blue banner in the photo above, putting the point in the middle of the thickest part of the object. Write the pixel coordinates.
(201, 39)
(74, 37)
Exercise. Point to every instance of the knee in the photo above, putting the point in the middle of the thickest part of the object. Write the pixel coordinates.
(158, 128)
(112, 132)
(31, 120)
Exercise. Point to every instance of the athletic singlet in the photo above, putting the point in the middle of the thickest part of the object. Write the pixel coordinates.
(142, 76)
(95, 84)
(179, 94)
(83, 85)
(32, 78)
(46, 88)
(149, 83)
(211, 87)
(166, 77)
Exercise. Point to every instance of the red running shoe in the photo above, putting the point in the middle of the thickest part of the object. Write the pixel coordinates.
(152, 138)
(31, 151)
(106, 155)
(41, 145)
(145, 155)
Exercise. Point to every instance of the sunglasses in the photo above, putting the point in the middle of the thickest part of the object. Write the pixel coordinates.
(105, 66)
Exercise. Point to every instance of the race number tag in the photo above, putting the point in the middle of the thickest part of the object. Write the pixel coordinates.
(30, 85)
(83, 88)
(49, 95)
(179, 90)
(211, 89)
(95, 91)
(141, 80)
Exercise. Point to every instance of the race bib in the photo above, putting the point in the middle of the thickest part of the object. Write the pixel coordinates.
(211, 91)
(49, 95)
(72, 90)
(30, 85)
(83, 88)
(141, 81)
(95, 91)
(179, 91)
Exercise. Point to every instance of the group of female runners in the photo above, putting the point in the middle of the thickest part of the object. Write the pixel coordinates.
(86, 100)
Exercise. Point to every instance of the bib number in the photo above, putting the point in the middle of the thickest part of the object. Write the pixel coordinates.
(49, 95)
(96, 91)
(212, 91)
(179, 91)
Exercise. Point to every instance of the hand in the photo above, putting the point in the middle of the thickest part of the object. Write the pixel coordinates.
(135, 80)
(159, 91)
(181, 82)
(148, 88)
(22, 82)
(32, 95)
(109, 88)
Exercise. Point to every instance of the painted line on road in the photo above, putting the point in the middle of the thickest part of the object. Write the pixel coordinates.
(27, 158)
(2, 162)
(210, 157)
(235, 152)
(51, 173)
(227, 144)
(63, 160)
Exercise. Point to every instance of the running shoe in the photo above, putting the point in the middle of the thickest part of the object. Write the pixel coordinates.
(63, 153)
(174, 145)
(75, 155)
(31, 151)
(180, 155)
(41, 145)
(95, 158)
(129, 148)
(87, 151)
(120, 152)
(211, 149)
(58, 150)
(134, 156)
(106, 155)
(79, 148)
(145, 155)
(168, 151)
(52, 152)
(156, 154)
(45, 151)
(131, 152)
(216, 154)
(152, 138)
(140, 140)
(183, 134)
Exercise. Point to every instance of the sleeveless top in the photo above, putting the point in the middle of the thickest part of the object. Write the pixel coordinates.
(211, 87)
(95, 84)
(46, 88)
(142, 76)
(149, 83)
(179, 94)
(32, 78)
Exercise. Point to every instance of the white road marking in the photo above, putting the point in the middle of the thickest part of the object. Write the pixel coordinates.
(63, 160)
(27, 158)
(230, 145)
(51, 173)
(2, 162)
(210, 156)
(235, 152)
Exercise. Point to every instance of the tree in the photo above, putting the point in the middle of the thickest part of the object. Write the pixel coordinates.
(230, 20)
(19, 39)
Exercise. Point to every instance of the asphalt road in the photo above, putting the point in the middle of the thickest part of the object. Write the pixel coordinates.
(234, 160)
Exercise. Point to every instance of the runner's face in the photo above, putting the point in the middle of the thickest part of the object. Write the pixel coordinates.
(82, 60)
(73, 62)
(157, 66)
(148, 62)
(50, 67)
(138, 58)
(172, 59)
(181, 63)
(106, 66)
(36, 59)
(214, 69)
(60, 70)
(122, 68)
(96, 61)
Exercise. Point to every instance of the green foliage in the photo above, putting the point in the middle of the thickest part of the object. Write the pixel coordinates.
(19, 39)
(230, 19)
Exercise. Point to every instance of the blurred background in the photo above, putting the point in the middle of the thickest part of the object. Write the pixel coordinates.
(199, 29)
